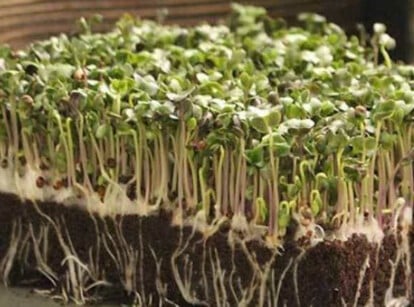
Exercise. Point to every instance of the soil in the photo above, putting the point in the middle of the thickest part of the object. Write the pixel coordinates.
(136, 257)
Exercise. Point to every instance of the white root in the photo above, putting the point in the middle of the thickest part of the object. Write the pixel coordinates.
(130, 261)
(405, 246)
(218, 280)
(41, 254)
(394, 266)
(295, 275)
(184, 285)
(7, 262)
(72, 278)
(390, 301)
(248, 292)
(262, 275)
(78, 275)
(370, 301)
(403, 217)
(24, 249)
(94, 259)
(233, 271)
(265, 277)
(159, 285)
(203, 270)
(123, 255)
(361, 278)
(281, 278)
(141, 261)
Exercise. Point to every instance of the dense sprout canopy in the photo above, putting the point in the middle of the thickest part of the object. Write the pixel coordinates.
(252, 119)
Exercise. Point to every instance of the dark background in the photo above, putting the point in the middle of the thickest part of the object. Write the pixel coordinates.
(23, 21)
(398, 15)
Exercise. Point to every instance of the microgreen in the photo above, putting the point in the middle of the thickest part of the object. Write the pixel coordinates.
(212, 117)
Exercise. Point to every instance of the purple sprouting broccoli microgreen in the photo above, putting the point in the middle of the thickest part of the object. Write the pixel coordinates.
(250, 119)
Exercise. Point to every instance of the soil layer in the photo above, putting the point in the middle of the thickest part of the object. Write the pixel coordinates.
(73, 255)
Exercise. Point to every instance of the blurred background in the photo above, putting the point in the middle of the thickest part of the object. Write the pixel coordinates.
(22, 21)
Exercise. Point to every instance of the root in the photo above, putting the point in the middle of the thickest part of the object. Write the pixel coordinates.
(184, 285)
(370, 301)
(361, 278)
(203, 269)
(24, 249)
(394, 265)
(295, 275)
(249, 291)
(405, 245)
(7, 262)
(78, 275)
(41, 254)
(94, 260)
(218, 280)
(123, 255)
(162, 289)
(262, 275)
(141, 260)
(265, 277)
(279, 284)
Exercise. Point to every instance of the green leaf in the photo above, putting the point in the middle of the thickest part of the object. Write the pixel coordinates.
(261, 207)
(259, 124)
(284, 215)
(255, 156)
(316, 202)
(387, 140)
(277, 143)
(383, 110)
(191, 123)
(274, 117)
(102, 131)
(360, 144)
(177, 97)
(246, 81)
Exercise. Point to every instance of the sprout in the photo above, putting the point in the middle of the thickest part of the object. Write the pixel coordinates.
(379, 28)
(387, 41)
(252, 121)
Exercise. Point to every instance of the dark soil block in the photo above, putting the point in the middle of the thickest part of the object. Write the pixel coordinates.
(81, 257)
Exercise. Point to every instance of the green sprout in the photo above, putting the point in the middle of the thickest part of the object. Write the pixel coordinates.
(252, 119)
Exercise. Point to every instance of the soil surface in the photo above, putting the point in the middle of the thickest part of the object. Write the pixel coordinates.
(73, 255)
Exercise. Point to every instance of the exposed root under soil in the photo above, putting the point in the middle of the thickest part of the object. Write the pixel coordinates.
(71, 255)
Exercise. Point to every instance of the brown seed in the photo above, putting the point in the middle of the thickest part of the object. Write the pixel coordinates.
(40, 182)
(306, 212)
(200, 145)
(65, 182)
(140, 46)
(4, 163)
(360, 110)
(31, 69)
(273, 98)
(27, 99)
(80, 74)
(101, 192)
(305, 222)
(58, 185)
(43, 166)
